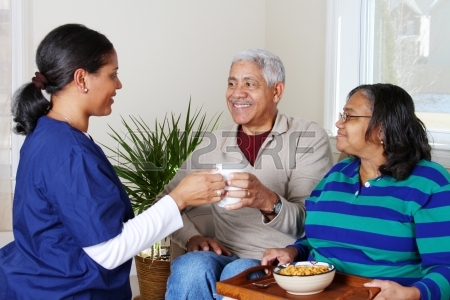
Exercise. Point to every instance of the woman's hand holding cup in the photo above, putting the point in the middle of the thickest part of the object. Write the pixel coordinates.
(199, 188)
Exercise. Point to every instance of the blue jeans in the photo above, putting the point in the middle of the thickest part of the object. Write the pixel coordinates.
(194, 274)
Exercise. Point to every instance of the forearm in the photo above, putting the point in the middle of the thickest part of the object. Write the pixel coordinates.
(182, 235)
(310, 167)
(290, 218)
(138, 234)
(436, 282)
(302, 247)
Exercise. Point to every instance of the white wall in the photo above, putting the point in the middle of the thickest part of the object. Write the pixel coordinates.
(295, 31)
(168, 50)
(172, 50)
(175, 49)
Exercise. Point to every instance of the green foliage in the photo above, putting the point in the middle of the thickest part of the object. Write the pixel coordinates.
(147, 159)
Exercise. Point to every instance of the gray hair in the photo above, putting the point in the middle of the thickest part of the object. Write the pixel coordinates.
(271, 66)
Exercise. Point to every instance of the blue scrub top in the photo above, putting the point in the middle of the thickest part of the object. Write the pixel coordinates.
(67, 196)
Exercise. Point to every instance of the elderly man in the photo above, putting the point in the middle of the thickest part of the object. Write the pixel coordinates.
(286, 157)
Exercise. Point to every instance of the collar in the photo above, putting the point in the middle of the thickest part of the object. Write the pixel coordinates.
(351, 165)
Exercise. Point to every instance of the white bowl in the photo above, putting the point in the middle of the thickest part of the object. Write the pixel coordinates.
(304, 284)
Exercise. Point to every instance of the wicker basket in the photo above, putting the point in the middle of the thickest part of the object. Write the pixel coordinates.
(152, 277)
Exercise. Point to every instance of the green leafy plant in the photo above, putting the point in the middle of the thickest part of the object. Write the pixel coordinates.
(146, 159)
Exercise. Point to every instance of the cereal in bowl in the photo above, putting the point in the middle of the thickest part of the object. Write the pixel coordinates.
(303, 270)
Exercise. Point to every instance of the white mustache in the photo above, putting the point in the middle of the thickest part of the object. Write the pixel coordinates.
(241, 101)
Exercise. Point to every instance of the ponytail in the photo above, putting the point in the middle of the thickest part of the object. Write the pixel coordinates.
(29, 104)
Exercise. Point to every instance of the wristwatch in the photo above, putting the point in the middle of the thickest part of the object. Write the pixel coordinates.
(276, 208)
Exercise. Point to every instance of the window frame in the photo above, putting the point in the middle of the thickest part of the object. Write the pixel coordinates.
(350, 23)
(18, 65)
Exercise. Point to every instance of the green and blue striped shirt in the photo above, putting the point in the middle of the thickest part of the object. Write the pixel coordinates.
(387, 229)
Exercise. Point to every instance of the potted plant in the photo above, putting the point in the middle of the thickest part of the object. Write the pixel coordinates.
(146, 159)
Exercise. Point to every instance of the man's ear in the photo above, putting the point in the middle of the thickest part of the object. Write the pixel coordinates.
(79, 77)
(278, 90)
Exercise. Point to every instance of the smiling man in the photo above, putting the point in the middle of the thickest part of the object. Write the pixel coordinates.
(285, 157)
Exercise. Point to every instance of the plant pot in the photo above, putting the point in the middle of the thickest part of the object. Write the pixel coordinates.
(152, 277)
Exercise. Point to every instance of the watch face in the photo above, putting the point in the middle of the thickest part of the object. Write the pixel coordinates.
(277, 207)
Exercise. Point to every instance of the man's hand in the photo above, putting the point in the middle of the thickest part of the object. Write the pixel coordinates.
(200, 243)
(253, 194)
(393, 290)
(279, 256)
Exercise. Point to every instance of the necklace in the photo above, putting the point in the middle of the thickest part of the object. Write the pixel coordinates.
(66, 118)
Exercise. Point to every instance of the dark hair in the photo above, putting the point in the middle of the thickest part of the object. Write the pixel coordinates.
(405, 140)
(64, 50)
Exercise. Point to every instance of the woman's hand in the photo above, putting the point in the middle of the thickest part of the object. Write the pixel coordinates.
(279, 256)
(199, 188)
(391, 290)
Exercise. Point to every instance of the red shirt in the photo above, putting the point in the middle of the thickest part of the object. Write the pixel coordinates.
(250, 144)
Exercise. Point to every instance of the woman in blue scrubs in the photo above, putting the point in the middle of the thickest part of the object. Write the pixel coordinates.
(75, 232)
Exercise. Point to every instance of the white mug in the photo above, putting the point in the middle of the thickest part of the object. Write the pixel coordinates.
(225, 169)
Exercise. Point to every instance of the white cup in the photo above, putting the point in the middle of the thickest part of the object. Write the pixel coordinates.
(225, 169)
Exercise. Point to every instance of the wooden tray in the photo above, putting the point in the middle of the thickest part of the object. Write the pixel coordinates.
(344, 286)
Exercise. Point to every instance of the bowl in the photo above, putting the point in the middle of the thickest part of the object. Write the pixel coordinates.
(304, 284)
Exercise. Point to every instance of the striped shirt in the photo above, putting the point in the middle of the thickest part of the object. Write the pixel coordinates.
(387, 229)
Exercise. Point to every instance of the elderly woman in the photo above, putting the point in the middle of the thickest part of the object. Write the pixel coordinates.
(383, 212)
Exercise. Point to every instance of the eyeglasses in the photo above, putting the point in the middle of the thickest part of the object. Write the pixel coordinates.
(345, 117)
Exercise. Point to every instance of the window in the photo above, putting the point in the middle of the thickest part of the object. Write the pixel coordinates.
(10, 79)
(403, 42)
(5, 115)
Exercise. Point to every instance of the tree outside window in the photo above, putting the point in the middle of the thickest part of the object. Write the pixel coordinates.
(411, 46)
